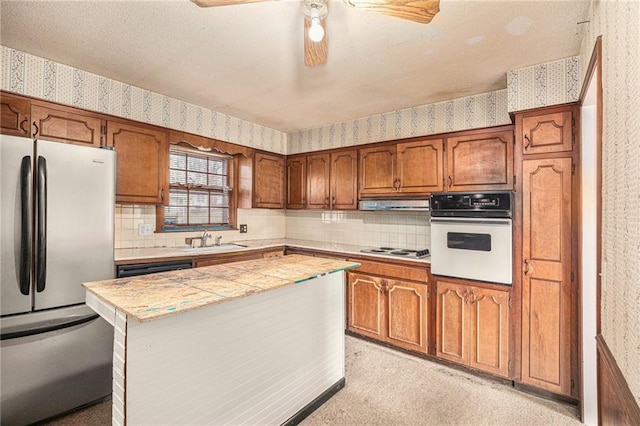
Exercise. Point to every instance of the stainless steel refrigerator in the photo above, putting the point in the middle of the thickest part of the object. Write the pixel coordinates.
(57, 230)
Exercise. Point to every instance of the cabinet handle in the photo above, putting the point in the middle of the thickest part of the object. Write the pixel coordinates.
(22, 123)
(333, 200)
(528, 142)
(383, 286)
(37, 129)
(162, 194)
(450, 182)
(526, 264)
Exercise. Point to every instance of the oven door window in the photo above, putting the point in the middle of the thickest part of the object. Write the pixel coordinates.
(468, 241)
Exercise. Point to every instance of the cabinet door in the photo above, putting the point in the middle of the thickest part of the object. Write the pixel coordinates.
(318, 168)
(14, 115)
(366, 304)
(546, 284)
(482, 161)
(551, 132)
(489, 324)
(296, 182)
(66, 125)
(269, 181)
(141, 163)
(378, 170)
(420, 166)
(344, 180)
(452, 322)
(406, 315)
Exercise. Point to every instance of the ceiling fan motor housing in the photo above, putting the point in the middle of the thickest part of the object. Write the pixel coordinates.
(319, 5)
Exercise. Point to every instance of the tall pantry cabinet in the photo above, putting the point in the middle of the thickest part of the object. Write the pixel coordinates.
(547, 147)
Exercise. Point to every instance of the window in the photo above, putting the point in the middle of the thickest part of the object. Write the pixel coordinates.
(199, 191)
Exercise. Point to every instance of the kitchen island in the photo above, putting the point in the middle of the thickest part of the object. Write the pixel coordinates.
(255, 342)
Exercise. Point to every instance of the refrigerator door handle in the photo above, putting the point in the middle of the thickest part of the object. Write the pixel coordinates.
(46, 327)
(41, 226)
(26, 201)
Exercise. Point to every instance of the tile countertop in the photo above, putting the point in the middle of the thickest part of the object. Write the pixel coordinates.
(164, 252)
(149, 297)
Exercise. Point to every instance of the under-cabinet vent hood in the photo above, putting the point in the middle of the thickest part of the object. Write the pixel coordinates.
(394, 204)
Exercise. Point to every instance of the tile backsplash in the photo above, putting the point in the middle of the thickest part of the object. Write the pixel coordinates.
(261, 223)
(402, 229)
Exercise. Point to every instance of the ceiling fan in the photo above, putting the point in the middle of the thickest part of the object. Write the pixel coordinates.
(315, 11)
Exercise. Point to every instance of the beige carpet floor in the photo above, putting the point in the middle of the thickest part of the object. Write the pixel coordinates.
(386, 387)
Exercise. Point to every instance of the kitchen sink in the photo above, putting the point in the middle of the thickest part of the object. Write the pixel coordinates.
(215, 249)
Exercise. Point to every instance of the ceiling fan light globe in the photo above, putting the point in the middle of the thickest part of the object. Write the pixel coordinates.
(316, 32)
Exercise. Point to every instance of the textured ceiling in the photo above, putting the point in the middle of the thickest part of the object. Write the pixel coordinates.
(247, 60)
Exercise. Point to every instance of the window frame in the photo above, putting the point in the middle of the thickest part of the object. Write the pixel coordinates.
(232, 195)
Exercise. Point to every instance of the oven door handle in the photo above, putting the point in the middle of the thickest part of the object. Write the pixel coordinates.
(473, 221)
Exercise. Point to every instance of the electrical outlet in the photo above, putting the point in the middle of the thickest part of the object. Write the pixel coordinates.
(243, 229)
(145, 229)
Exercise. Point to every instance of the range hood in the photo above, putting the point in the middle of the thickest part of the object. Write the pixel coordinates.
(394, 204)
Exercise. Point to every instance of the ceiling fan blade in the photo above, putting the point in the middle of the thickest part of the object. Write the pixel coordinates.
(314, 53)
(211, 3)
(421, 11)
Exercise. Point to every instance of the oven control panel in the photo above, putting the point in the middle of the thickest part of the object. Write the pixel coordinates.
(454, 204)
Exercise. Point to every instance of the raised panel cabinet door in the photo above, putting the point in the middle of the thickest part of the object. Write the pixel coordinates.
(482, 162)
(344, 180)
(141, 163)
(547, 133)
(365, 305)
(65, 125)
(378, 170)
(489, 323)
(546, 283)
(296, 182)
(269, 181)
(420, 166)
(452, 322)
(318, 168)
(14, 115)
(407, 315)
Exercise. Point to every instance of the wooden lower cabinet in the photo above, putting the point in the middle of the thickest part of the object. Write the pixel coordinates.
(473, 326)
(389, 310)
(222, 258)
(546, 279)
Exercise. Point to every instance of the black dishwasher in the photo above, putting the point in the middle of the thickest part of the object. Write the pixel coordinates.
(124, 271)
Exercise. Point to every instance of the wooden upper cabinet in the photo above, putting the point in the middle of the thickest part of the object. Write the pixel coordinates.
(65, 124)
(410, 168)
(546, 280)
(378, 170)
(15, 113)
(297, 182)
(420, 166)
(318, 171)
(269, 181)
(548, 132)
(480, 160)
(473, 326)
(142, 155)
(344, 180)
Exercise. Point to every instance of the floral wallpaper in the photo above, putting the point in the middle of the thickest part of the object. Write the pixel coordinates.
(483, 110)
(550, 83)
(618, 23)
(30, 75)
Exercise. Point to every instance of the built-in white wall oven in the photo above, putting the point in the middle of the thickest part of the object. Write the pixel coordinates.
(471, 236)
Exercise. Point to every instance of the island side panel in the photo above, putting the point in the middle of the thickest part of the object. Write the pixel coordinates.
(119, 363)
(254, 360)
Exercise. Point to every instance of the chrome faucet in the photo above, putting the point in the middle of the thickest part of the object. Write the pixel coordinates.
(217, 240)
(205, 238)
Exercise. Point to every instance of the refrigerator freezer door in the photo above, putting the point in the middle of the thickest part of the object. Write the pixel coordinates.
(46, 374)
(80, 200)
(13, 150)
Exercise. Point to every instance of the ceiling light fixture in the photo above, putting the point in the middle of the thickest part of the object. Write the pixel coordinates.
(316, 32)
(315, 11)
